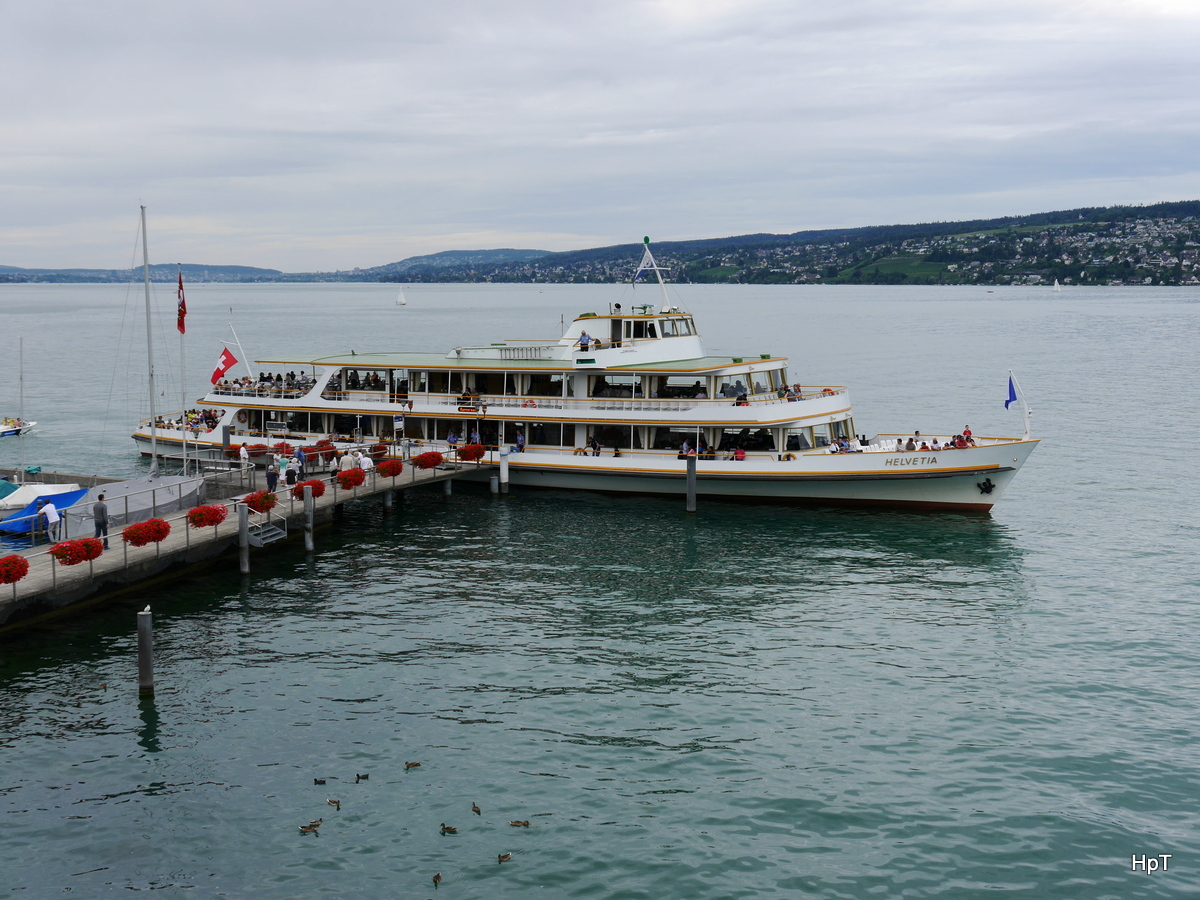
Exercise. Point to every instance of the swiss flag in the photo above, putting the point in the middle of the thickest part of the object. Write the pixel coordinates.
(226, 362)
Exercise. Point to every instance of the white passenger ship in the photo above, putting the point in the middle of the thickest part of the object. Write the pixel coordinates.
(640, 388)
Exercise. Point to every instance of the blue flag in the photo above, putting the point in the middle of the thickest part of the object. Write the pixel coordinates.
(1012, 393)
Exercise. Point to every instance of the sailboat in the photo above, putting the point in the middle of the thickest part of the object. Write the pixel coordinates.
(15, 427)
(1057, 287)
(400, 301)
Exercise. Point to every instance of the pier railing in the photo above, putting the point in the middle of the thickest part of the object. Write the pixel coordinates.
(288, 507)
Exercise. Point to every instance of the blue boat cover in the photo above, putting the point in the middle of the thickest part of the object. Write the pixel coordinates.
(17, 524)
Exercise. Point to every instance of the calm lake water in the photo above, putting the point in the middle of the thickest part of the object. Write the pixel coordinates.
(755, 701)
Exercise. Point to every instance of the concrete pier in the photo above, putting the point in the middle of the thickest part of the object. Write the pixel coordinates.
(50, 587)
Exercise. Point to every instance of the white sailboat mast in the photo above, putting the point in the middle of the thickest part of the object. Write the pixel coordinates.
(149, 350)
(183, 422)
(21, 411)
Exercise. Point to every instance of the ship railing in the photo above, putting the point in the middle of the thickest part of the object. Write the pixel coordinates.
(263, 392)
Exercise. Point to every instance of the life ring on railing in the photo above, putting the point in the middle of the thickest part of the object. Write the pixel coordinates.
(529, 404)
(788, 457)
(826, 391)
(242, 417)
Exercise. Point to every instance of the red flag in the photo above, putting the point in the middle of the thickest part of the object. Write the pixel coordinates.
(182, 307)
(224, 363)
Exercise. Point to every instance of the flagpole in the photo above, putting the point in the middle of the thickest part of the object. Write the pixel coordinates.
(1024, 405)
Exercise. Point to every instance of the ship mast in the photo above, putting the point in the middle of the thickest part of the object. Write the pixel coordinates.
(149, 351)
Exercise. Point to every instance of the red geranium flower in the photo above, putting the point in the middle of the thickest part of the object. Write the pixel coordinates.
(13, 569)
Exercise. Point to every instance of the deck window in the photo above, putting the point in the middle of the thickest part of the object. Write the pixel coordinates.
(668, 328)
(679, 387)
(758, 440)
(799, 439)
(763, 382)
(616, 386)
(546, 384)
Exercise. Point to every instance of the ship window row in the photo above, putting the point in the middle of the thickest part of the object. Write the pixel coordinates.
(306, 427)
(399, 383)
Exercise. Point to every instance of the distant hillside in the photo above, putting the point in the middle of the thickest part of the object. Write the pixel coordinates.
(1152, 244)
(164, 272)
(457, 258)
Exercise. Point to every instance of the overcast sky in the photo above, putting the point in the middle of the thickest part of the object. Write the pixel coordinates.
(317, 136)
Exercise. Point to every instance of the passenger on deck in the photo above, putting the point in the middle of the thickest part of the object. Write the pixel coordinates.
(935, 445)
(910, 445)
(739, 454)
(595, 447)
(520, 441)
(584, 340)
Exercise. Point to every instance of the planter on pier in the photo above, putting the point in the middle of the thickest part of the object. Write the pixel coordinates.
(151, 531)
(351, 478)
(13, 569)
(72, 553)
(207, 516)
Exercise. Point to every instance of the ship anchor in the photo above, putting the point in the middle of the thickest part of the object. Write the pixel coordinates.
(985, 486)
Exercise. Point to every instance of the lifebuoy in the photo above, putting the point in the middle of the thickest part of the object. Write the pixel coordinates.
(241, 416)
(788, 457)
(826, 391)
(529, 404)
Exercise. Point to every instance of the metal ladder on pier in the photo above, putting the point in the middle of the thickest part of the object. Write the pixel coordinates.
(268, 532)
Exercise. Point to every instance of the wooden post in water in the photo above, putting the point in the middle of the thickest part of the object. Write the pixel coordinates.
(244, 538)
(310, 510)
(691, 483)
(145, 638)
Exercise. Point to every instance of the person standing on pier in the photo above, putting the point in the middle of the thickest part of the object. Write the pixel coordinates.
(301, 459)
(272, 475)
(50, 511)
(100, 517)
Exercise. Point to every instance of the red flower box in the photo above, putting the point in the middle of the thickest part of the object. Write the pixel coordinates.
(430, 460)
(471, 452)
(72, 553)
(318, 488)
(256, 449)
(261, 501)
(390, 468)
(283, 448)
(139, 534)
(13, 569)
(377, 452)
(207, 516)
(351, 478)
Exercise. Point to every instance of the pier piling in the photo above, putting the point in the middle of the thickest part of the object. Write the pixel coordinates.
(447, 486)
(388, 497)
(504, 471)
(309, 518)
(494, 483)
(145, 637)
(243, 538)
(691, 484)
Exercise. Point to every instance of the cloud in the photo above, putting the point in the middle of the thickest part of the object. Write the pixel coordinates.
(306, 135)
